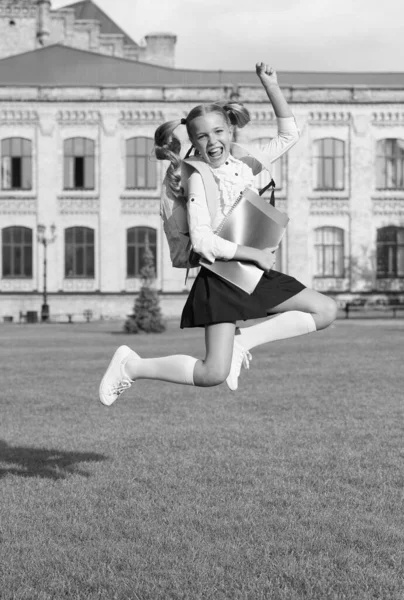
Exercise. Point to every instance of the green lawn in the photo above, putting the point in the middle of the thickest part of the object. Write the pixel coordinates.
(292, 487)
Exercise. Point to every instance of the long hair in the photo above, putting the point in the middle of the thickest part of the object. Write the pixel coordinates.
(168, 146)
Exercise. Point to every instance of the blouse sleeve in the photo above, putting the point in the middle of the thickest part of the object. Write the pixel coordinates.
(204, 241)
(288, 135)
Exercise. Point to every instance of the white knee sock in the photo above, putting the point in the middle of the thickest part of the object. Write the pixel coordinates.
(178, 368)
(282, 326)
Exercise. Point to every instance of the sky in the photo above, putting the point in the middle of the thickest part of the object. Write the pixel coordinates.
(290, 35)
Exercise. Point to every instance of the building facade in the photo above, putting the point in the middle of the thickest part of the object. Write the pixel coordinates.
(76, 143)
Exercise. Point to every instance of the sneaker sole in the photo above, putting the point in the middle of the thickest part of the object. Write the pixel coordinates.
(119, 355)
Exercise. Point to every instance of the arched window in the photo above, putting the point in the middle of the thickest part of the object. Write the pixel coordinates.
(329, 247)
(390, 164)
(79, 252)
(390, 252)
(17, 252)
(141, 171)
(329, 164)
(278, 167)
(79, 164)
(16, 164)
(137, 240)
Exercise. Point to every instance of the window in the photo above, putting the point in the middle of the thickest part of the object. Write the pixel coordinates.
(278, 168)
(137, 239)
(329, 246)
(329, 164)
(141, 171)
(17, 252)
(79, 164)
(390, 164)
(390, 252)
(79, 252)
(16, 164)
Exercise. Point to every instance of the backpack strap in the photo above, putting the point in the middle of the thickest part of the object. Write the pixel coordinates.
(241, 152)
(194, 163)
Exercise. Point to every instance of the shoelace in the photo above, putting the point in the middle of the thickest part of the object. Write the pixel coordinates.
(245, 360)
(120, 387)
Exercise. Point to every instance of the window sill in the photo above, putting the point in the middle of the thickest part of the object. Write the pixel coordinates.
(17, 278)
(330, 284)
(141, 194)
(88, 194)
(334, 194)
(390, 284)
(18, 194)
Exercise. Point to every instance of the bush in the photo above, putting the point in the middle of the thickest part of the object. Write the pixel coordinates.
(146, 315)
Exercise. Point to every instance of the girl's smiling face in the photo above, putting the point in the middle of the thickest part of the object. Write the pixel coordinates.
(211, 136)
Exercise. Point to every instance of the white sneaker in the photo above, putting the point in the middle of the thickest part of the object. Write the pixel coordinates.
(241, 357)
(115, 380)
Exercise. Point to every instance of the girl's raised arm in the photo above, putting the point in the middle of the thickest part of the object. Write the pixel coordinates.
(269, 80)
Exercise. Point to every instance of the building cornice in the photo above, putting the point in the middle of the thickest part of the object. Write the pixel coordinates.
(175, 94)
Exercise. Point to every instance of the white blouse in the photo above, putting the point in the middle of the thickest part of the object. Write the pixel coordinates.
(232, 178)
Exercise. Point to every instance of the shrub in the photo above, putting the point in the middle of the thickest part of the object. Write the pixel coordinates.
(147, 314)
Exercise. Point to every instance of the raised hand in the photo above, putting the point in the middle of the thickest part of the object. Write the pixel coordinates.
(266, 74)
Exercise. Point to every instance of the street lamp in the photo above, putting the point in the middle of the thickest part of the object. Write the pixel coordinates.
(45, 240)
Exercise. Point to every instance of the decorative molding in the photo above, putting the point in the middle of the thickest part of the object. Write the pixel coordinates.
(140, 206)
(18, 117)
(79, 285)
(26, 10)
(71, 205)
(383, 206)
(389, 285)
(329, 118)
(78, 117)
(361, 124)
(129, 117)
(21, 206)
(263, 116)
(331, 284)
(110, 123)
(383, 118)
(47, 124)
(329, 206)
(17, 285)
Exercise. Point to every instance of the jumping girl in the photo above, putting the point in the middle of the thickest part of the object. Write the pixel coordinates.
(214, 303)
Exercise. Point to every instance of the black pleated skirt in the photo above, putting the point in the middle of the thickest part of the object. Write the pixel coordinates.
(213, 300)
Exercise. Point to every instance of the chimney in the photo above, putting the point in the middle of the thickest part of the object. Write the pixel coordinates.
(43, 30)
(160, 48)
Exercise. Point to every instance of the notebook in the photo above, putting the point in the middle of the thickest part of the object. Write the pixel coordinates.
(250, 222)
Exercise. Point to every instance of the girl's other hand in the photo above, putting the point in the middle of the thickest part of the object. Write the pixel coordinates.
(266, 74)
(266, 259)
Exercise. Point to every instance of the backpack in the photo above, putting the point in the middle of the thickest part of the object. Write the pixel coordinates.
(173, 208)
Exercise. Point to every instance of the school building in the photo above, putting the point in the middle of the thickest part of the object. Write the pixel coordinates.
(79, 104)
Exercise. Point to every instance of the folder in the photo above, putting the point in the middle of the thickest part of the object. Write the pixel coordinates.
(253, 222)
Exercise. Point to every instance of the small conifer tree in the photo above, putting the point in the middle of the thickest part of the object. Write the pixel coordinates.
(147, 314)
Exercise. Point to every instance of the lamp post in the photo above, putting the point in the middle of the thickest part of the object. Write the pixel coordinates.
(45, 240)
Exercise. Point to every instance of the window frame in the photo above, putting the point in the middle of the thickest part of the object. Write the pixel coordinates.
(338, 262)
(396, 159)
(321, 159)
(137, 246)
(25, 163)
(395, 251)
(71, 157)
(87, 247)
(133, 158)
(23, 245)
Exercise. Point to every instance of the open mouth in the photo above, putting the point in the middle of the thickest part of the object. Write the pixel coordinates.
(215, 152)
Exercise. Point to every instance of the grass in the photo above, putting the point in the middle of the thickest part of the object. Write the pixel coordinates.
(290, 488)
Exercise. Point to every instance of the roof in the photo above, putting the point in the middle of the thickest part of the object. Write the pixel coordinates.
(86, 9)
(58, 65)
